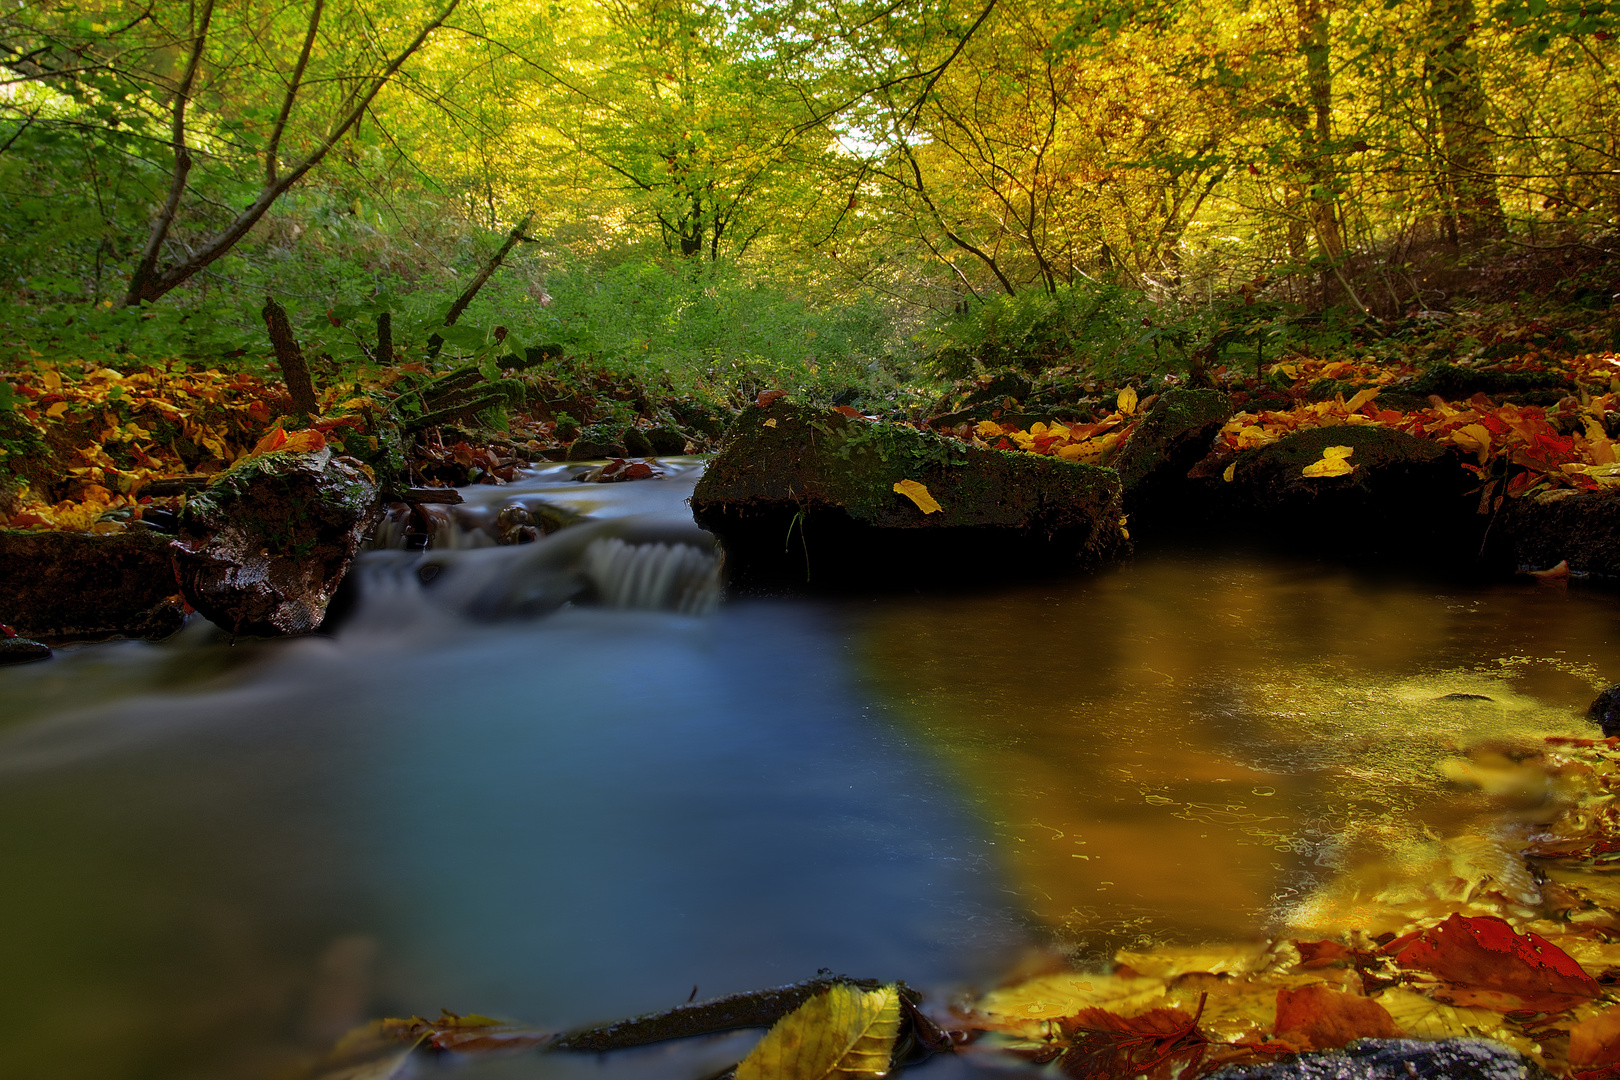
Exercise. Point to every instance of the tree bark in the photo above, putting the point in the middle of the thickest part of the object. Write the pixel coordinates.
(294, 369)
(488, 271)
(148, 283)
(1468, 166)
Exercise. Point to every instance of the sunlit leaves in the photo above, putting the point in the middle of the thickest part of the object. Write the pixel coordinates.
(1335, 461)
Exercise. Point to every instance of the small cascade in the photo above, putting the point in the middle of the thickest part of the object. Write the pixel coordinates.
(675, 577)
(621, 563)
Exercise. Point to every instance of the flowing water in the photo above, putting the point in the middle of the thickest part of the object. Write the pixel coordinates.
(556, 783)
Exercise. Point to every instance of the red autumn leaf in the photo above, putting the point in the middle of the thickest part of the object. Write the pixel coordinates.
(1318, 1018)
(1319, 954)
(767, 397)
(1107, 1046)
(1485, 962)
(852, 413)
(464, 454)
(7, 631)
(639, 470)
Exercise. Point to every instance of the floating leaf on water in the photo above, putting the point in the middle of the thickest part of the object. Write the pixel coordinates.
(1484, 961)
(844, 1032)
(1320, 1018)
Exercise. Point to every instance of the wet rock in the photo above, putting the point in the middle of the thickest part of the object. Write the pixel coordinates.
(1153, 464)
(1605, 711)
(1407, 500)
(18, 650)
(666, 440)
(68, 586)
(1581, 528)
(606, 440)
(805, 497)
(1397, 1059)
(265, 547)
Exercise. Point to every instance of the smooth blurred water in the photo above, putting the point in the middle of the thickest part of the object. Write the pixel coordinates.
(216, 858)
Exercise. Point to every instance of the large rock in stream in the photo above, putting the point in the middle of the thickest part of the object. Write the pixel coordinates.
(805, 497)
(1405, 500)
(264, 548)
(1153, 464)
(72, 586)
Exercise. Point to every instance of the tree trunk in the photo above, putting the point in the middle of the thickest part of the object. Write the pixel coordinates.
(1468, 166)
(294, 369)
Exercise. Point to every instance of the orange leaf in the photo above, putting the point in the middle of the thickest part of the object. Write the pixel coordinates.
(1485, 962)
(1595, 1041)
(1106, 1046)
(305, 442)
(1323, 1019)
(273, 440)
(768, 397)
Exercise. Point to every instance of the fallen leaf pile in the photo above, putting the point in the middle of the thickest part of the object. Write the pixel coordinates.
(1539, 980)
(1546, 452)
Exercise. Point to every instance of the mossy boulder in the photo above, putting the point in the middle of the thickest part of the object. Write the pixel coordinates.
(264, 548)
(70, 586)
(1153, 464)
(805, 497)
(1405, 499)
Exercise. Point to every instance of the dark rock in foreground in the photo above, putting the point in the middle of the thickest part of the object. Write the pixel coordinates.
(799, 496)
(70, 586)
(17, 650)
(1406, 499)
(265, 547)
(1397, 1059)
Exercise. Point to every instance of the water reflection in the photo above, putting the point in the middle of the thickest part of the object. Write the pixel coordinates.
(1186, 749)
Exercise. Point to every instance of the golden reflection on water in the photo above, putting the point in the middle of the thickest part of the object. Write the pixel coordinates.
(1190, 750)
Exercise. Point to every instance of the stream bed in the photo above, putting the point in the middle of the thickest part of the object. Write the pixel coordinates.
(219, 857)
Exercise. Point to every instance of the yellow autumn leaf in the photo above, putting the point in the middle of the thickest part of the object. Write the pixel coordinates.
(1021, 1009)
(917, 493)
(1334, 462)
(1361, 399)
(1425, 1018)
(988, 428)
(845, 1032)
(1127, 401)
(57, 410)
(1230, 473)
(1474, 437)
(1024, 439)
(1071, 451)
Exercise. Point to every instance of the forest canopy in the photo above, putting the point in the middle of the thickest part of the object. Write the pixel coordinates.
(887, 176)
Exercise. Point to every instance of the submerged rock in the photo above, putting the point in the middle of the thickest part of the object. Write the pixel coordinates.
(1404, 499)
(801, 496)
(69, 586)
(1397, 1059)
(263, 549)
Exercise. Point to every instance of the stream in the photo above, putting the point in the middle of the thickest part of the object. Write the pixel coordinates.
(493, 793)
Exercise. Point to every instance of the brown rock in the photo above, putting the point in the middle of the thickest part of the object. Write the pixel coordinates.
(265, 547)
(70, 586)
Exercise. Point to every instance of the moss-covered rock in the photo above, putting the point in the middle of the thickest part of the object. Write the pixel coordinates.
(1406, 499)
(68, 586)
(263, 549)
(1173, 437)
(800, 496)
